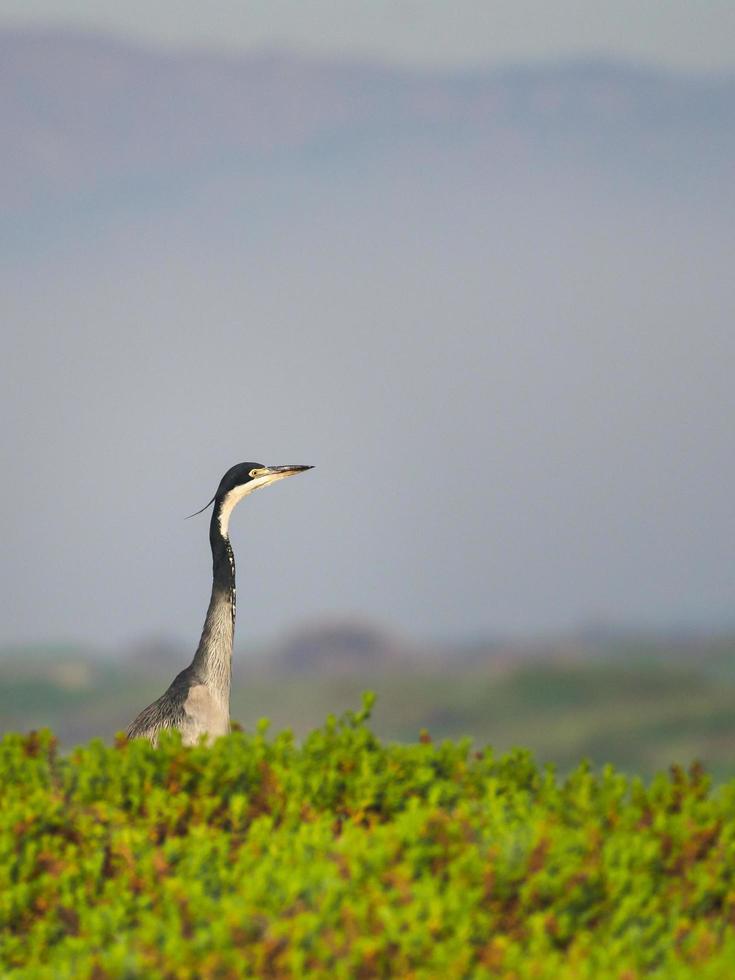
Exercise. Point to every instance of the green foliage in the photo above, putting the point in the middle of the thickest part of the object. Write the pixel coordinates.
(347, 857)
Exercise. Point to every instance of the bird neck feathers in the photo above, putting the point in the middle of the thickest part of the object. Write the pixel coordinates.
(213, 659)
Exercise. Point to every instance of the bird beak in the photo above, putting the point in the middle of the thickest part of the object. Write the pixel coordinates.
(270, 473)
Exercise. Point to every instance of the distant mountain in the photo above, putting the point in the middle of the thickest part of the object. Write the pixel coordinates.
(343, 646)
(87, 118)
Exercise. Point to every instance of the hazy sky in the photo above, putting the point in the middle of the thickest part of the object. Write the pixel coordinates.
(509, 355)
(694, 34)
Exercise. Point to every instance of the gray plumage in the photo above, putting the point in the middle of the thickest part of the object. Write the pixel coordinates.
(197, 702)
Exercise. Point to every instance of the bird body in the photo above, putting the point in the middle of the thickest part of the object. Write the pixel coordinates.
(197, 702)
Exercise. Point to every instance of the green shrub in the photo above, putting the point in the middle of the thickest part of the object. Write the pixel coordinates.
(346, 857)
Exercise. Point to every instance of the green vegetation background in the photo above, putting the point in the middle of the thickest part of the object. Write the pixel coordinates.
(345, 856)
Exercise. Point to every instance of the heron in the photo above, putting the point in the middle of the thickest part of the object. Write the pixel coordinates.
(197, 702)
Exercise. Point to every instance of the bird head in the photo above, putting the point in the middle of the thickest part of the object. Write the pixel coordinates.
(241, 480)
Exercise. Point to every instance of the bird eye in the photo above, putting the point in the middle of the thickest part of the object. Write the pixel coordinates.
(253, 472)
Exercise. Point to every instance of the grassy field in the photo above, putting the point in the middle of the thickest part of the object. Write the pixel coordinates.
(637, 706)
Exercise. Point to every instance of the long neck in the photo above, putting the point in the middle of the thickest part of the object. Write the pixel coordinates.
(213, 659)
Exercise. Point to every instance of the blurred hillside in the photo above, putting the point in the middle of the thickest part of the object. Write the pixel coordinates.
(640, 702)
(90, 121)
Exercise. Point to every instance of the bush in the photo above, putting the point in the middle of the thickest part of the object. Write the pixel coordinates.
(346, 857)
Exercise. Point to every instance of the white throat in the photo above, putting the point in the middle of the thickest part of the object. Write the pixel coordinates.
(234, 497)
